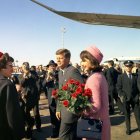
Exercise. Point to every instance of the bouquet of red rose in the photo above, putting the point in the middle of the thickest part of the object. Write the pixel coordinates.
(73, 96)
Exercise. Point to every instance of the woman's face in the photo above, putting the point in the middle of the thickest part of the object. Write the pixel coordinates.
(86, 64)
(7, 72)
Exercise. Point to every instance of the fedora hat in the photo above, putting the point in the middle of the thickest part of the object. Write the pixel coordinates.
(51, 62)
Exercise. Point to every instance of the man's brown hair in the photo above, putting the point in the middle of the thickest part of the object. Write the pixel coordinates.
(66, 53)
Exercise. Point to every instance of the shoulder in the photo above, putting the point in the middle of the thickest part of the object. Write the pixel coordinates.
(6, 84)
(97, 81)
(98, 76)
(122, 76)
(135, 74)
(74, 73)
(9, 84)
(72, 69)
(138, 75)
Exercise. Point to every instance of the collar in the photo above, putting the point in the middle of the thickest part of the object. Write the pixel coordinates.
(128, 73)
(2, 77)
(65, 68)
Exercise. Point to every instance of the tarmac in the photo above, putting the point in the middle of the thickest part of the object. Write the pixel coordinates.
(117, 125)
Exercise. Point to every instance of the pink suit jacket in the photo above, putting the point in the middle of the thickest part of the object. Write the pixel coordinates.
(98, 84)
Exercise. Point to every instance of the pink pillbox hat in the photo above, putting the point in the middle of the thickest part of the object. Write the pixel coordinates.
(95, 52)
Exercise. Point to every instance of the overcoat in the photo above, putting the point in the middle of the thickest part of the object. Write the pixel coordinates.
(11, 117)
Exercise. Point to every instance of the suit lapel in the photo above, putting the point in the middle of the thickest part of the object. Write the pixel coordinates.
(62, 77)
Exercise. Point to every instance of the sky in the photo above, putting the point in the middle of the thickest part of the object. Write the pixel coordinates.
(29, 32)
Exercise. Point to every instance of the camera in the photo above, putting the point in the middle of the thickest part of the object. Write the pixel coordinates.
(54, 74)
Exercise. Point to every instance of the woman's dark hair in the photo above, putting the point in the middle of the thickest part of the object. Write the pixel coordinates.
(4, 59)
(85, 54)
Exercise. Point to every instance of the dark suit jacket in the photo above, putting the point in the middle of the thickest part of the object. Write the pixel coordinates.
(50, 86)
(138, 81)
(29, 85)
(11, 119)
(128, 88)
(111, 77)
(69, 73)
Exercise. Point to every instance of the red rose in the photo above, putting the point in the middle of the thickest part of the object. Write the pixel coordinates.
(65, 87)
(77, 83)
(82, 85)
(74, 95)
(71, 81)
(71, 95)
(54, 93)
(66, 103)
(87, 92)
(79, 90)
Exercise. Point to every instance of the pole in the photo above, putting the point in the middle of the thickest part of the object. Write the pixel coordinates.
(63, 30)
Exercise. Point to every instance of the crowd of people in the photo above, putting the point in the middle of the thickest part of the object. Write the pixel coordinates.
(109, 84)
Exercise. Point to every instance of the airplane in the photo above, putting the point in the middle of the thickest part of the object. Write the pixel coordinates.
(120, 60)
(98, 19)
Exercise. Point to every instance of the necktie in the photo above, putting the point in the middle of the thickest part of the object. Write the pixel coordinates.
(62, 72)
(129, 76)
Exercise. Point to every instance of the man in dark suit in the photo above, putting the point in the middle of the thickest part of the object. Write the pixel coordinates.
(68, 119)
(28, 82)
(138, 80)
(111, 75)
(127, 88)
(51, 83)
(41, 74)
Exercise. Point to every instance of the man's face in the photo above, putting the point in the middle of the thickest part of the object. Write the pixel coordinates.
(62, 62)
(23, 68)
(40, 67)
(128, 68)
(52, 68)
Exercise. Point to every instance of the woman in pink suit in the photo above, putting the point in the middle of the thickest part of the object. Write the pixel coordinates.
(91, 58)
